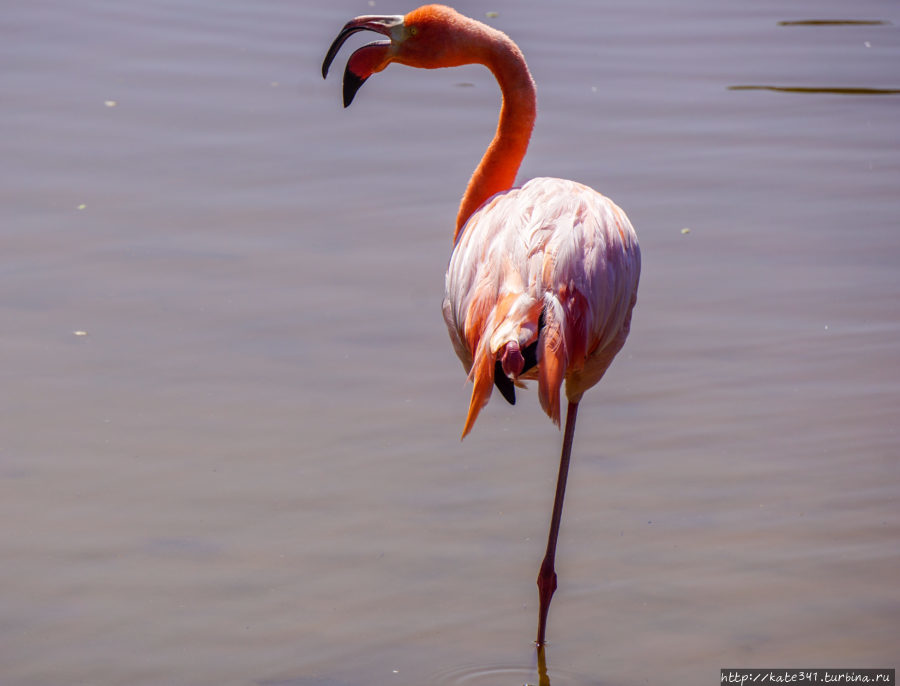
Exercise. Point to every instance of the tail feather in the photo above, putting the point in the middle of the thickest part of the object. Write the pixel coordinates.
(482, 372)
(553, 357)
(482, 376)
(513, 315)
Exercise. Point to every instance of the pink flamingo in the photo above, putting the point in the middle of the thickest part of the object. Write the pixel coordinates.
(543, 278)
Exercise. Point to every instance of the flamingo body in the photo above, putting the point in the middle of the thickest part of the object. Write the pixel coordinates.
(555, 248)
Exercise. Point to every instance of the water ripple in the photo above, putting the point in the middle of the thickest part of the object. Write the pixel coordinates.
(504, 674)
(835, 22)
(819, 89)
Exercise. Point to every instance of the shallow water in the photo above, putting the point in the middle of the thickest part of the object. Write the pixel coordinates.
(244, 468)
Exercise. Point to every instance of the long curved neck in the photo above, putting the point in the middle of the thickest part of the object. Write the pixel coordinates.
(498, 168)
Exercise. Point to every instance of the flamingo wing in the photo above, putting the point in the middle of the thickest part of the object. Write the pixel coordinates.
(551, 267)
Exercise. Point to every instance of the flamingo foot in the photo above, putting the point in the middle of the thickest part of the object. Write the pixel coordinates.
(512, 360)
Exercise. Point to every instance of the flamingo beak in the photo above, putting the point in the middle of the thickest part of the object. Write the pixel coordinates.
(368, 59)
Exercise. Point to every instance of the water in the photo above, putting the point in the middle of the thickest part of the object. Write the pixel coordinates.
(245, 467)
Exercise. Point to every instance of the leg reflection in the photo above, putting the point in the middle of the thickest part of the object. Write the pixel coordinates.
(543, 677)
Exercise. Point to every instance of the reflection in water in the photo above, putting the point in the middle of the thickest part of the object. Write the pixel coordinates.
(835, 22)
(815, 89)
(543, 677)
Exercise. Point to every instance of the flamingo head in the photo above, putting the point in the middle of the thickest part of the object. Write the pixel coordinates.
(429, 37)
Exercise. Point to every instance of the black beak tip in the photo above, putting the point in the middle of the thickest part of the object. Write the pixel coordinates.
(352, 83)
(326, 63)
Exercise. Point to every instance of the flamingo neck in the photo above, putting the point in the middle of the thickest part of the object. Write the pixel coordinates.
(498, 168)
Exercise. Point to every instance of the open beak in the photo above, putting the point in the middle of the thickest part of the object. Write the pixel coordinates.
(368, 59)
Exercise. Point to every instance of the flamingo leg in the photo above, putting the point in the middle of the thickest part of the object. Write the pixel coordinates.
(546, 580)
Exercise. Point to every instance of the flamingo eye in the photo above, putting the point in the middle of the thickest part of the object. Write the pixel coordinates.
(413, 30)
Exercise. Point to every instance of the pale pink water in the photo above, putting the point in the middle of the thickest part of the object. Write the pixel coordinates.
(248, 470)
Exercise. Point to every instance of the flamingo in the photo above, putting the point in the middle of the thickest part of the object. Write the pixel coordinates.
(543, 278)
